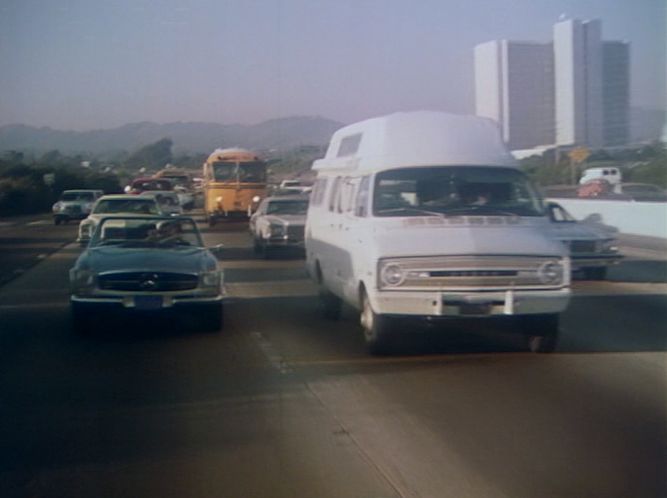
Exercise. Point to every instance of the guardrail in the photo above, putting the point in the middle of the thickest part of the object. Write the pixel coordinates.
(631, 217)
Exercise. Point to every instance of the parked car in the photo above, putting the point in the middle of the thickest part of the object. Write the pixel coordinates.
(427, 216)
(593, 246)
(279, 222)
(110, 205)
(74, 205)
(169, 201)
(146, 264)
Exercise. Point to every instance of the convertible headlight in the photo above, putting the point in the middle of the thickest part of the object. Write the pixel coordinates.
(551, 273)
(608, 245)
(210, 279)
(391, 274)
(81, 280)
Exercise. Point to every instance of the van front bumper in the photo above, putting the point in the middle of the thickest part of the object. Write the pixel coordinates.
(470, 303)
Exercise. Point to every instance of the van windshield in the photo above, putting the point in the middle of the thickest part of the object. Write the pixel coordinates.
(455, 190)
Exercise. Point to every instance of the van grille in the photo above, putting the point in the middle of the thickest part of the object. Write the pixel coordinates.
(463, 272)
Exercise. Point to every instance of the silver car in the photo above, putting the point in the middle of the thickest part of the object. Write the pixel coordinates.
(593, 246)
(116, 205)
(146, 265)
(279, 222)
(74, 205)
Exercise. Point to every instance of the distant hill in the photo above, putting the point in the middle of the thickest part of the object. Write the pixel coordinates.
(281, 134)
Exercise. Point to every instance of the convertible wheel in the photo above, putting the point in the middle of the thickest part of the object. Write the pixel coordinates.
(80, 319)
(377, 328)
(542, 332)
(212, 319)
(595, 273)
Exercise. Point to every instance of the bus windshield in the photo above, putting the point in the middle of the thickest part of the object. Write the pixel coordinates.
(245, 172)
(458, 190)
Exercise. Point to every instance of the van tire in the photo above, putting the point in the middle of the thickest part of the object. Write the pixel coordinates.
(376, 327)
(332, 305)
(541, 332)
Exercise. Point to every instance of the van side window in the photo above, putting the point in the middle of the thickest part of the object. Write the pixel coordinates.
(346, 196)
(361, 200)
(349, 145)
(319, 191)
(333, 196)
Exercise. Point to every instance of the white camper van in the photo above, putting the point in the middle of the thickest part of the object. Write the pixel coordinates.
(426, 214)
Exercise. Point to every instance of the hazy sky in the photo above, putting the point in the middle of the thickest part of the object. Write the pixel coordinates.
(83, 64)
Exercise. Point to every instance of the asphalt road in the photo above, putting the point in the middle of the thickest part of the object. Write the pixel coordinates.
(282, 403)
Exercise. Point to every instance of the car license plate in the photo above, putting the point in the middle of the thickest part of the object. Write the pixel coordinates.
(148, 302)
(475, 309)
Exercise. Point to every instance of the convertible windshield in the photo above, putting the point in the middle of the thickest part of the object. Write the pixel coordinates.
(147, 232)
(455, 190)
(250, 172)
(140, 206)
(287, 207)
(77, 196)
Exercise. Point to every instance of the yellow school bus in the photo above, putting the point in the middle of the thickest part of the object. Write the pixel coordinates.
(234, 184)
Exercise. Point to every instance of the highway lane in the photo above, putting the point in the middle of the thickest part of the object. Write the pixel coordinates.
(283, 403)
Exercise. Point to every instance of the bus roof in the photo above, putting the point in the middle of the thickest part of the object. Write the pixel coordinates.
(412, 139)
(232, 154)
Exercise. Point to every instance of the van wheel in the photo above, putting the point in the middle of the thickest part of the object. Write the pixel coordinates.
(332, 305)
(57, 220)
(542, 332)
(377, 328)
(256, 247)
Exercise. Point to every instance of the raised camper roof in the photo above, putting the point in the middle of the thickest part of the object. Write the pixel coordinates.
(412, 139)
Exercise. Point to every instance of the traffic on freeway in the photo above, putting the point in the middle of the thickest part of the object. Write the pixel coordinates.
(283, 402)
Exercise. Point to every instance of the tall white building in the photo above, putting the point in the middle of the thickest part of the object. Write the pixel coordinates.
(578, 85)
(514, 85)
(574, 91)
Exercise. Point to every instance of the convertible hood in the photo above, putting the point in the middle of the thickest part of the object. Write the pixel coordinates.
(105, 259)
(521, 238)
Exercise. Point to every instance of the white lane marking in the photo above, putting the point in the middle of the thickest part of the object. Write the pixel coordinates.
(265, 288)
(6, 223)
(38, 223)
(276, 360)
(34, 306)
(42, 256)
(587, 289)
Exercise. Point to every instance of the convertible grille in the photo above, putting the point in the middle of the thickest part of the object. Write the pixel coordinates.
(147, 281)
(577, 246)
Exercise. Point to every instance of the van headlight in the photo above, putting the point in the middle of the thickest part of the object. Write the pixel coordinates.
(551, 273)
(391, 274)
(57, 207)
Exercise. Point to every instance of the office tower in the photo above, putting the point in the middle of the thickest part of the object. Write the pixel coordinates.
(573, 92)
(514, 86)
(616, 92)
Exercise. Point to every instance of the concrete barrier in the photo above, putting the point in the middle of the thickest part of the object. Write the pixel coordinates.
(636, 218)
